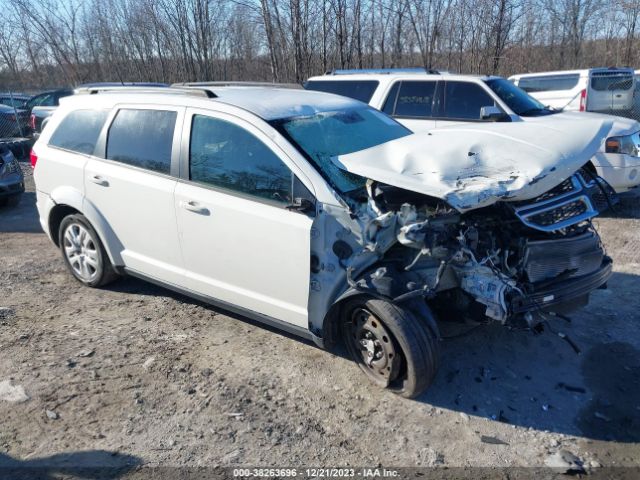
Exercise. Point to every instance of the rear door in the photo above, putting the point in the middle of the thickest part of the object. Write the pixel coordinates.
(240, 243)
(413, 103)
(610, 90)
(132, 187)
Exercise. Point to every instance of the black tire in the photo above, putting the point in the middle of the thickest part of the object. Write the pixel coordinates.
(413, 344)
(100, 272)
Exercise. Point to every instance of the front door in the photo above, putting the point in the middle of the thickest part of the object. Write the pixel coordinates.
(240, 243)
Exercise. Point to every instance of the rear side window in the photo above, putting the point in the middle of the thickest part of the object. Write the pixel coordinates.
(549, 83)
(79, 131)
(142, 138)
(225, 155)
(358, 90)
(415, 99)
(609, 81)
(464, 100)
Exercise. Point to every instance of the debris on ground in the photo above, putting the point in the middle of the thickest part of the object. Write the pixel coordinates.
(51, 414)
(492, 440)
(565, 461)
(12, 393)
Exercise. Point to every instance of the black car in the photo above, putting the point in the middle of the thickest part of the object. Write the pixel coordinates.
(11, 178)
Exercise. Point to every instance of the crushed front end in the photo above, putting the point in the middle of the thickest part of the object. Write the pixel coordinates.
(512, 262)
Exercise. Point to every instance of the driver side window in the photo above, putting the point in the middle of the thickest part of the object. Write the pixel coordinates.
(464, 100)
(225, 155)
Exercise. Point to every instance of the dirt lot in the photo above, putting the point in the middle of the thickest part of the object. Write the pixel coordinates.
(136, 375)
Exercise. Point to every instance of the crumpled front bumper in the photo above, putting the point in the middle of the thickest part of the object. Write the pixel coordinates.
(564, 295)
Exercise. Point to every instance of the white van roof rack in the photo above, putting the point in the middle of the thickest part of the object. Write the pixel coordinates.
(198, 92)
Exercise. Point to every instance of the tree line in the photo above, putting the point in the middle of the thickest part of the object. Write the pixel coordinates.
(48, 43)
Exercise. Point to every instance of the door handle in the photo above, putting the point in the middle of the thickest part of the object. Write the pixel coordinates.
(97, 179)
(194, 207)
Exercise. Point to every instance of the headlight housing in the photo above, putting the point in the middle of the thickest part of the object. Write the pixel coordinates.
(624, 144)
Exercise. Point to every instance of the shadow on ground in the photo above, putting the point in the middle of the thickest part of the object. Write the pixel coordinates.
(539, 381)
(526, 379)
(22, 218)
(90, 464)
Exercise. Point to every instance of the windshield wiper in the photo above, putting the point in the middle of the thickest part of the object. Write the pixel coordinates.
(534, 110)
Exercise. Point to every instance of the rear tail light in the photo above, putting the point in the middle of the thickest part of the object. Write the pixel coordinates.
(34, 158)
(583, 100)
(32, 121)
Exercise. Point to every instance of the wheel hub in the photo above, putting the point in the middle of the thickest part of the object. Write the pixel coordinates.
(81, 251)
(373, 346)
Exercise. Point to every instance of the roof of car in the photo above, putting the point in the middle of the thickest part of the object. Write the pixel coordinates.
(399, 74)
(583, 71)
(274, 103)
(266, 102)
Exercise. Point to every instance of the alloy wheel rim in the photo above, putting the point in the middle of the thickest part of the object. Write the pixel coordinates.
(81, 252)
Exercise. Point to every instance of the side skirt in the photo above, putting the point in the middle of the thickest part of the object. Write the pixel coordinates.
(259, 317)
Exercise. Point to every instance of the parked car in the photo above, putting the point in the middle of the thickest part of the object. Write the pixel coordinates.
(13, 122)
(44, 105)
(11, 178)
(605, 90)
(41, 106)
(323, 216)
(424, 101)
(16, 100)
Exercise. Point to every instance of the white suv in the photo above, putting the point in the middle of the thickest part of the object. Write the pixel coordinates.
(255, 199)
(424, 101)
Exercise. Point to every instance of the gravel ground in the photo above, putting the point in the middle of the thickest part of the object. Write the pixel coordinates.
(134, 375)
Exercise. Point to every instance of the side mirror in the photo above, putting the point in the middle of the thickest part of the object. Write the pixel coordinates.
(302, 205)
(491, 113)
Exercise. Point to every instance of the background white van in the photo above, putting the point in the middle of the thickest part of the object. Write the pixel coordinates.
(606, 90)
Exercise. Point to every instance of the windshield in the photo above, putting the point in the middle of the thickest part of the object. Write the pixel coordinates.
(517, 99)
(328, 134)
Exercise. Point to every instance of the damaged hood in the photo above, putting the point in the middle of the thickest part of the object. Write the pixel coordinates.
(472, 166)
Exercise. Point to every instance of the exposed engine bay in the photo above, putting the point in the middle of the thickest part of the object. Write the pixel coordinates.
(510, 261)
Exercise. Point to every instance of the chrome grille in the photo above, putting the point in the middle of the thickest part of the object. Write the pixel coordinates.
(560, 214)
(573, 201)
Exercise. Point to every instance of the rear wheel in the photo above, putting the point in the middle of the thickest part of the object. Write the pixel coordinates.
(84, 253)
(391, 345)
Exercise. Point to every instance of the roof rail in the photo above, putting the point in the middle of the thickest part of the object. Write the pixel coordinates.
(198, 92)
(383, 71)
(233, 83)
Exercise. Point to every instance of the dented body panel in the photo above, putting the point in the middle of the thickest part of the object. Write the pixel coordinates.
(474, 166)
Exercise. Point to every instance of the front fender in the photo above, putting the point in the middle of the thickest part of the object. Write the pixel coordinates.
(385, 283)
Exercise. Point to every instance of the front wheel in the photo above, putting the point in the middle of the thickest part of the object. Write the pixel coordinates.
(391, 345)
(84, 253)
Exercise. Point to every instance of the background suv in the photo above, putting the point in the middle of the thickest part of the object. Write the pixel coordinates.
(423, 101)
